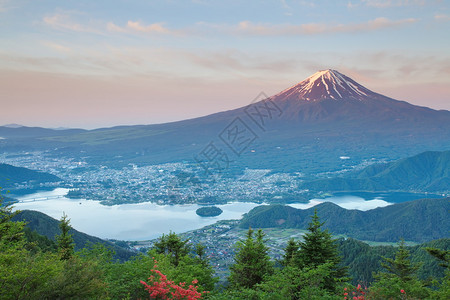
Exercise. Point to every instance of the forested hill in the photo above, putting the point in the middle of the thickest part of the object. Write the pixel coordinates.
(427, 171)
(420, 220)
(49, 227)
(9, 175)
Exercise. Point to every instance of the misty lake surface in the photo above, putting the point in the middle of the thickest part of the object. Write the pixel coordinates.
(143, 221)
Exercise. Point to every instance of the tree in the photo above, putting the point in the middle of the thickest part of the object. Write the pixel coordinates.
(401, 266)
(294, 283)
(65, 240)
(173, 246)
(318, 248)
(444, 287)
(252, 261)
(442, 255)
(11, 233)
(290, 252)
(399, 275)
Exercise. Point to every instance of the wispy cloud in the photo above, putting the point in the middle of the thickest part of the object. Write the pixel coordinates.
(139, 27)
(442, 17)
(5, 5)
(393, 3)
(57, 47)
(63, 21)
(249, 28)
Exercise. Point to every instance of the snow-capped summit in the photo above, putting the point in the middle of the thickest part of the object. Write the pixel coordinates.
(327, 84)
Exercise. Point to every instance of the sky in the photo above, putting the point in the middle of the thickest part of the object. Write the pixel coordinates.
(91, 64)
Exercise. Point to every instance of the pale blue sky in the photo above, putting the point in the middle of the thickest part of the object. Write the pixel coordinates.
(104, 63)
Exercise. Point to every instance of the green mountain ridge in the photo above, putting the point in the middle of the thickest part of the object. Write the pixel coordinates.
(428, 171)
(10, 175)
(47, 226)
(419, 221)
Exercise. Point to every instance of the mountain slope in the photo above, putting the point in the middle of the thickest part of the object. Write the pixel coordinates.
(10, 175)
(49, 227)
(307, 128)
(14, 131)
(420, 220)
(428, 171)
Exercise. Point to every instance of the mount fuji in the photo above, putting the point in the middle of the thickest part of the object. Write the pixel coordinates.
(327, 122)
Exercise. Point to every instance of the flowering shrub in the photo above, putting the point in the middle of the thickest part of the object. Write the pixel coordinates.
(162, 288)
(360, 293)
(355, 294)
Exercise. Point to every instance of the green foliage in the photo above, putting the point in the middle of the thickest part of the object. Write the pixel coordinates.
(427, 171)
(36, 242)
(317, 249)
(209, 211)
(293, 282)
(290, 252)
(27, 276)
(390, 287)
(364, 260)
(172, 246)
(386, 224)
(252, 262)
(172, 257)
(49, 227)
(442, 255)
(401, 266)
(11, 233)
(27, 272)
(65, 240)
(123, 279)
(32, 268)
(399, 274)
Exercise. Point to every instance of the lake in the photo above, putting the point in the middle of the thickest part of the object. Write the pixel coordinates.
(143, 221)
(140, 221)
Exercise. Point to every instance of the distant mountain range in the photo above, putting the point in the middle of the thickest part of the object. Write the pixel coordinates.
(428, 172)
(419, 220)
(10, 175)
(306, 128)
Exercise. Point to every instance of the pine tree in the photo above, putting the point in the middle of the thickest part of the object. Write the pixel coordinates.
(318, 248)
(173, 246)
(252, 261)
(401, 266)
(399, 275)
(11, 233)
(290, 253)
(65, 240)
(442, 255)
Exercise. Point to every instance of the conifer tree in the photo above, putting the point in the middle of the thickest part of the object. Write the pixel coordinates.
(290, 252)
(173, 246)
(399, 275)
(252, 261)
(401, 266)
(64, 240)
(318, 248)
(11, 233)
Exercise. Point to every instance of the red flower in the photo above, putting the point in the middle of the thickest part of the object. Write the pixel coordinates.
(402, 291)
(164, 288)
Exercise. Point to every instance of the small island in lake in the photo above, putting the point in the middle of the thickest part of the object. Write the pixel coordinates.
(209, 211)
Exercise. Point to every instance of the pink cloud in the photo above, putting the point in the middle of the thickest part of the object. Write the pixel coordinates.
(442, 17)
(393, 3)
(139, 27)
(63, 21)
(249, 28)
